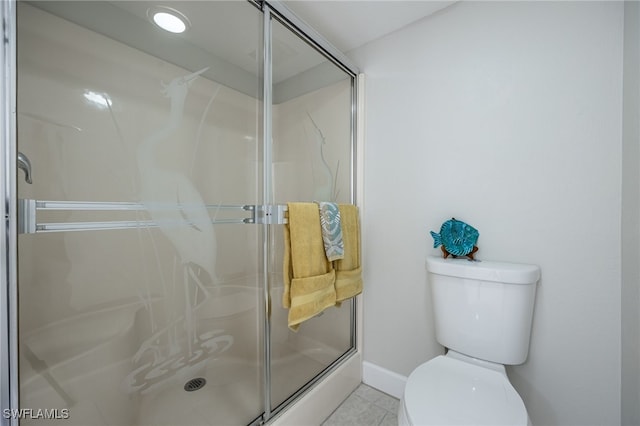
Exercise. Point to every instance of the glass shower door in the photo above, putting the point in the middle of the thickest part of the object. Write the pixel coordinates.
(140, 296)
(312, 161)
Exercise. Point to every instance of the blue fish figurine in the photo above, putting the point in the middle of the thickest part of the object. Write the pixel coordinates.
(456, 238)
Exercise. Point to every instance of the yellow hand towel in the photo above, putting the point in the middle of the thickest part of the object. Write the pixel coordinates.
(308, 276)
(348, 269)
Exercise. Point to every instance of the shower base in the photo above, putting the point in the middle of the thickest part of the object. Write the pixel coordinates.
(231, 395)
(75, 368)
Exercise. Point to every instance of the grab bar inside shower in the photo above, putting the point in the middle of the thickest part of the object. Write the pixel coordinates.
(28, 210)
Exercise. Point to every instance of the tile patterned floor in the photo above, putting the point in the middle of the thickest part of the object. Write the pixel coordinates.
(365, 406)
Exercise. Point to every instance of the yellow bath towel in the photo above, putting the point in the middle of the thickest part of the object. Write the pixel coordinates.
(348, 270)
(309, 277)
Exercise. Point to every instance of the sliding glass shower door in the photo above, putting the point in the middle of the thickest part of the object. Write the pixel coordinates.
(312, 131)
(153, 171)
(139, 282)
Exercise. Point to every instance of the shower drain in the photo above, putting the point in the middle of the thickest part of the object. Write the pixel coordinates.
(195, 384)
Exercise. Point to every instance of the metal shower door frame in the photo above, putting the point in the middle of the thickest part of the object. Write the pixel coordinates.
(275, 9)
(8, 234)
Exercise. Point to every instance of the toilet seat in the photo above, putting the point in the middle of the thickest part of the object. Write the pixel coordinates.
(448, 391)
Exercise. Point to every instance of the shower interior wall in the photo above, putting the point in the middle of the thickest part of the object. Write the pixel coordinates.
(86, 296)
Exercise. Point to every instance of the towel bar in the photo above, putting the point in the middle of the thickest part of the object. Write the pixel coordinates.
(28, 208)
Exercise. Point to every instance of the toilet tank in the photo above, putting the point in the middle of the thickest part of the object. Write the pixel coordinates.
(483, 309)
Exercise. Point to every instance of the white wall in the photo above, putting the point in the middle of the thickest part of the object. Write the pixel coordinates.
(506, 115)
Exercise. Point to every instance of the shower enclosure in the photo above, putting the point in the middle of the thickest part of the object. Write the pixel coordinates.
(145, 179)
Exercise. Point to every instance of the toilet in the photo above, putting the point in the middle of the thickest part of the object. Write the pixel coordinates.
(482, 312)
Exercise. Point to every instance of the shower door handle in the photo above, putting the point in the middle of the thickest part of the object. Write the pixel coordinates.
(25, 165)
(275, 214)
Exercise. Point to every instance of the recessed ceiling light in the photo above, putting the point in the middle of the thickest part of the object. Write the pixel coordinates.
(168, 19)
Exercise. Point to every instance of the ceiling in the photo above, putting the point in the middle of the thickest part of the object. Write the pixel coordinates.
(348, 24)
(224, 37)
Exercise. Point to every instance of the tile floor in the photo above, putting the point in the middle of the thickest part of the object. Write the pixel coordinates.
(365, 406)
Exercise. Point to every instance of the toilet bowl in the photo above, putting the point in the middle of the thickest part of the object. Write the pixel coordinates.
(452, 390)
(482, 314)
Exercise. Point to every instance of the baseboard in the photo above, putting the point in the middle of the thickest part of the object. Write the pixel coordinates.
(382, 379)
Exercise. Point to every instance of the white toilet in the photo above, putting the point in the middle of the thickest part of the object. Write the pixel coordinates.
(483, 312)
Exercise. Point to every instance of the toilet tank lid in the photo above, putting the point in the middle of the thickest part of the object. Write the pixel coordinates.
(483, 270)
